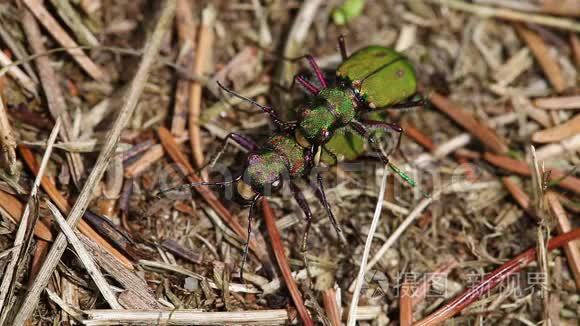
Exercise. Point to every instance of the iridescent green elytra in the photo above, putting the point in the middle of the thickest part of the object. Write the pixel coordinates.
(381, 75)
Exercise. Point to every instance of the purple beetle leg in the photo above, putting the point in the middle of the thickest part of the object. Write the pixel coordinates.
(299, 196)
(266, 109)
(251, 216)
(321, 195)
(386, 126)
(317, 71)
(364, 132)
(342, 47)
(244, 141)
(408, 104)
(306, 84)
(197, 184)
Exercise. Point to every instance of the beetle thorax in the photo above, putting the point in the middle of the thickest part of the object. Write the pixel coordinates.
(331, 109)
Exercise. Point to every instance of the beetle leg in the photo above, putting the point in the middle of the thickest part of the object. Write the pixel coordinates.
(375, 124)
(321, 195)
(299, 197)
(250, 227)
(245, 142)
(266, 109)
(197, 184)
(364, 132)
(306, 84)
(342, 47)
(317, 71)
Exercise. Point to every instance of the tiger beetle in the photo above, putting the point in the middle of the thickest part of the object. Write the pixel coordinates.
(371, 78)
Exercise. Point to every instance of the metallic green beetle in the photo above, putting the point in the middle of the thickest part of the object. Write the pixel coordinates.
(338, 119)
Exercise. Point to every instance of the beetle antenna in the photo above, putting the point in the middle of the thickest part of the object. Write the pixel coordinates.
(197, 184)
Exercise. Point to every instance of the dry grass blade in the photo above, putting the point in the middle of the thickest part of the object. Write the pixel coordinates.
(54, 94)
(173, 151)
(558, 103)
(565, 130)
(7, 142)
(21, 241)
(494, 278)
(278, 248)
(37, 8)
(567, 145)
(516, 166)
(360, 279)
(186, 317)
(542, 54)
(400, 229)
(572, 248)
(56, 196)
(18, 75)
(15, 208)
(204, 46)
(509, 14)
(485, 134)
(30, 301)
(74, 21)
(85, 258)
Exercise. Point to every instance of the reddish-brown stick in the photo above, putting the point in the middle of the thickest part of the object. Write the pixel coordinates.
(520, 167)
(493, 279)
(282, 260)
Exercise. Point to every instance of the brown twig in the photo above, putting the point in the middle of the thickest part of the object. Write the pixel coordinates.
(331, 306)
(561, 7)
(52, 26)
(54, 95)
(519, 167)
(559, 132)
(419, 137)
(15, 208)
(542, 54)
(278, 248)
(32, 297)
(575, 44)
(406, 304)
(519, 195)
(572, 248)
(7, 142)
(175, 153)
(558, 103)
(186, 35)
(205, 44)
(485, 134)
(493, 279)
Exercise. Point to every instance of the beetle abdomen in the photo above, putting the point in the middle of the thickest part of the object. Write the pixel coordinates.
(291, 152)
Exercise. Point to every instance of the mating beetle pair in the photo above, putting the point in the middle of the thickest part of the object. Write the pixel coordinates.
(371, 78)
